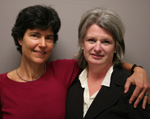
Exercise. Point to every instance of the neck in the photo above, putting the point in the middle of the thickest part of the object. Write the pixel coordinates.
(96, 75)
(97, 72)
(30, 71)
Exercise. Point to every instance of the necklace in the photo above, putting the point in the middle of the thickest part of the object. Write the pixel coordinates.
(34, 79)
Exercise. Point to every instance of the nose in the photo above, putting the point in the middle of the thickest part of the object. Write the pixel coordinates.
(42, 42)
(97, 47)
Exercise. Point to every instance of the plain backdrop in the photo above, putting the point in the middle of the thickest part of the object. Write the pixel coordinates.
(134, 13)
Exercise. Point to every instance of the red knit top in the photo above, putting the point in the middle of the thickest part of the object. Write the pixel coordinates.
(44, 98)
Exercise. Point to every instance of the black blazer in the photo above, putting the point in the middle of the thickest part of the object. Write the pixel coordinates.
(110, 102)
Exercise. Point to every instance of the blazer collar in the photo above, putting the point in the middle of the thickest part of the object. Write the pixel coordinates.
(106, 97)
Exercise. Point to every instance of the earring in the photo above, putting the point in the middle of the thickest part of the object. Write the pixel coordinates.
(82, 48)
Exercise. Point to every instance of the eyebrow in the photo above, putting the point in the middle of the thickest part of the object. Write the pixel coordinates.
(50, 35)
(89, 37)
(93, 37)
(34, 32)
(39, 33)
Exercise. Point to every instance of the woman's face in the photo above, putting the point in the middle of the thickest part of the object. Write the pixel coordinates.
(37, 45)
(98, 46)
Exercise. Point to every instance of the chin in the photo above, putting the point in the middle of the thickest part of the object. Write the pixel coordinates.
(39, 61)
(96, 62)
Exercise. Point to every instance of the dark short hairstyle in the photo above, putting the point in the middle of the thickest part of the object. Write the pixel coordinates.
(37, 16)
(107, 19)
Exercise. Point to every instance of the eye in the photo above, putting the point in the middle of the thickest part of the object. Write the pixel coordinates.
(34, 35)
(106, 41)
(49, 38)
(91, 40)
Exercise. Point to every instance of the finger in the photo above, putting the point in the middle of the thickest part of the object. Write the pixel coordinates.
(140, 97)
(135, 94)
(148, 92)
(149, 99)
(127, 85)
(144, 102)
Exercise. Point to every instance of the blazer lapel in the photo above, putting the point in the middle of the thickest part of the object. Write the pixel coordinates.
(106, 97)
(76, 100)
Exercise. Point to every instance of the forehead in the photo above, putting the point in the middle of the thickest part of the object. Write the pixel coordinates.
(97, 31)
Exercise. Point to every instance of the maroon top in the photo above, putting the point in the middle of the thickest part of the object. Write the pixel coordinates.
(44, 98)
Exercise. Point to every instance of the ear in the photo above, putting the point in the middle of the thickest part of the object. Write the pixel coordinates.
(115, 50)
(82, 43)
(20, 41)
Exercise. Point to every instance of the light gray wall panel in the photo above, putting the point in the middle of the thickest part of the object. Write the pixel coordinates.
(134, 13)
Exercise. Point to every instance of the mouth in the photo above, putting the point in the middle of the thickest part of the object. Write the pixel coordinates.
(97, 56)
(39, 52)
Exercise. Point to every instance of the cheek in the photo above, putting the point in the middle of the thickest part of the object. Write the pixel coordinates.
(30, 44)
(27, 46)
(110, 52)
(88, 47)
(50, 47)
(86, 52)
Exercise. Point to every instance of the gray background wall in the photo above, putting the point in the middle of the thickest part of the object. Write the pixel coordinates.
(134, 13)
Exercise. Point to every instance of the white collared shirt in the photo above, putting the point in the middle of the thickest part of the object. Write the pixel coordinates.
(84, 84)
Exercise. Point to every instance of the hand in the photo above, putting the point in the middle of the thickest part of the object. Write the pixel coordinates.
(140, 79)
(146, 98)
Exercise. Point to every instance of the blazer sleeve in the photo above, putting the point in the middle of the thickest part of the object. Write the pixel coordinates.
(119, 78)
(139, 112)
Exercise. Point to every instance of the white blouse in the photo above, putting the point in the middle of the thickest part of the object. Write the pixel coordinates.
(84, 84)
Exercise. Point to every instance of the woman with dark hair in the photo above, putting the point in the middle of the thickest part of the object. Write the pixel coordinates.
(37, 89)
(98, 92)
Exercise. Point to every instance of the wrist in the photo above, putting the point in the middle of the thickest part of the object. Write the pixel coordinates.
(135, 66)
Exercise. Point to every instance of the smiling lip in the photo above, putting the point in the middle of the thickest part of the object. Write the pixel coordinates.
(96, 56)
(39, 52)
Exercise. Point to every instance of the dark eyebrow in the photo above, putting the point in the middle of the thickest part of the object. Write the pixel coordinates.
(51, 35)
(40, 34)
(34, 32)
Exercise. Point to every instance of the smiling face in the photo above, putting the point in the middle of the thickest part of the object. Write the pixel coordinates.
(37, 45)
(98, 46)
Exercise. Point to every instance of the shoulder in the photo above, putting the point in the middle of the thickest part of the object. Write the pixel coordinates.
(64, 65)
(120, 75)
(64, 70)
(63, 62)
(3, 76)
(3, 79)
(76, 85)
